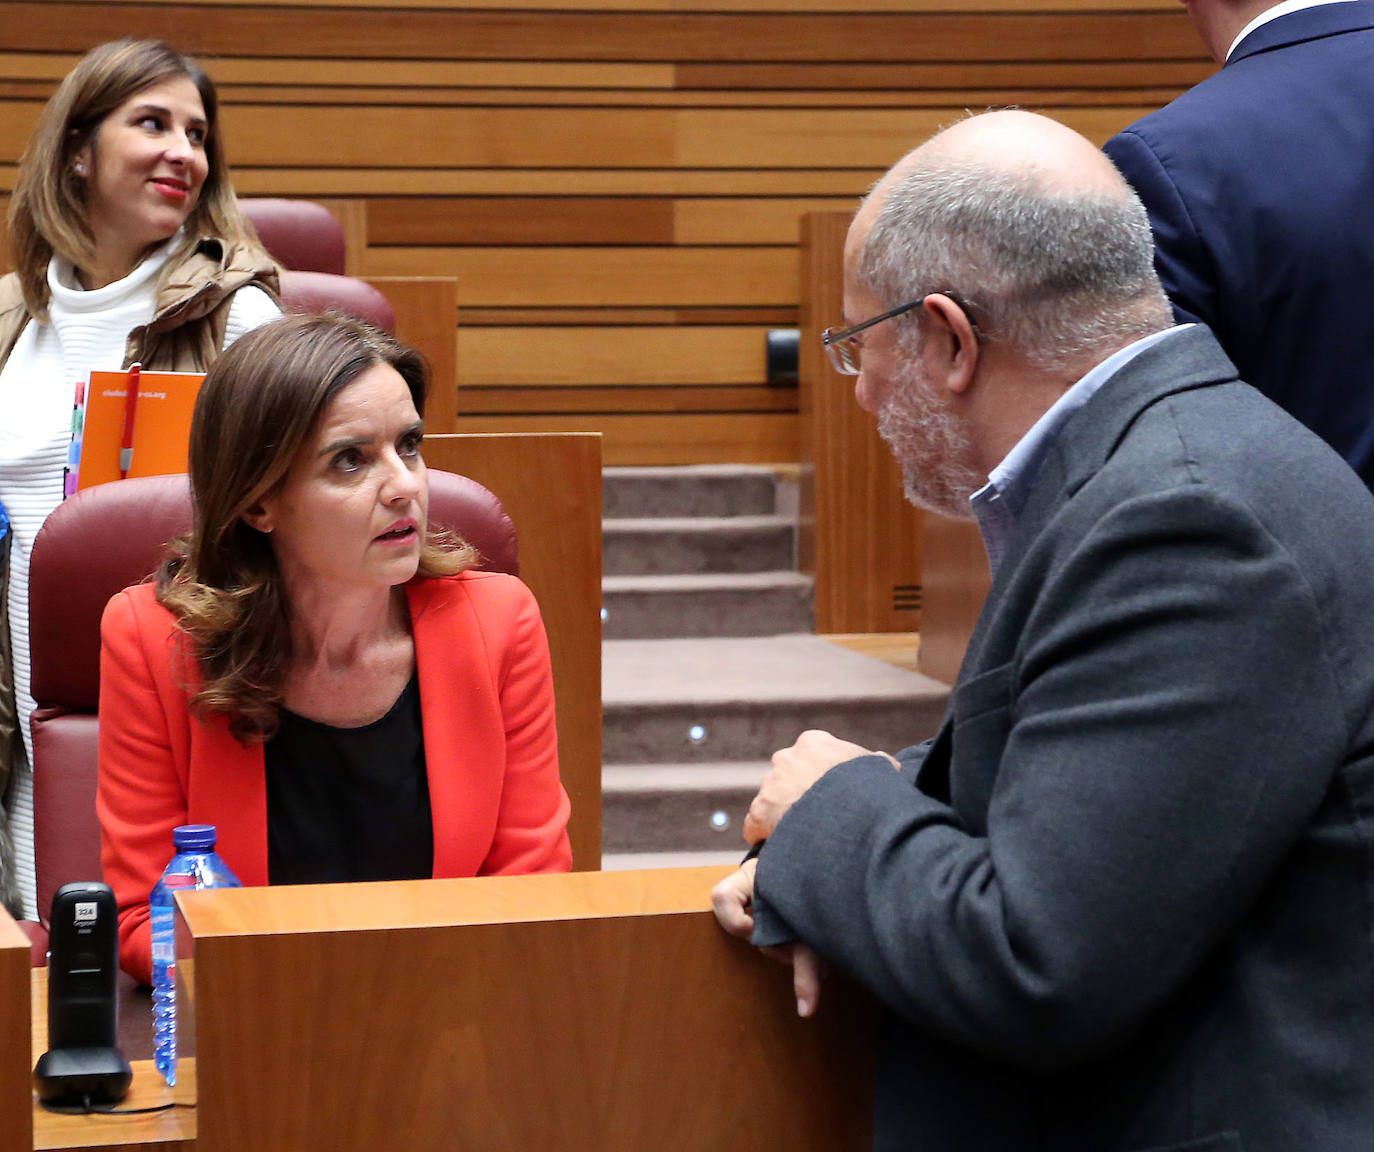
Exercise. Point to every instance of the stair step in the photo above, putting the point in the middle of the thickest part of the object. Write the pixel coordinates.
(631, 779)
(699, 732)
(711, 604)
(677, 807)
(627, 861)
(694, 490)
(682, 545)
(691, 822)
(709, 701)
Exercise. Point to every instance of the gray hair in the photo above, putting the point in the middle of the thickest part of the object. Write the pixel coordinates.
(1056, 274)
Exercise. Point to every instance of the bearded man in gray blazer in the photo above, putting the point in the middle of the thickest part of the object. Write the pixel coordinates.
(1124, 899)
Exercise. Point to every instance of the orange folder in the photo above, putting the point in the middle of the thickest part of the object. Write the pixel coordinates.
(162, 425)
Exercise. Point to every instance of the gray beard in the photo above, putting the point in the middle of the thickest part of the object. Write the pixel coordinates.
(929, 446)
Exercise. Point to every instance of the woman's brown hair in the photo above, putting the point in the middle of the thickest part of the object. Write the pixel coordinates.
(48, 210)
(258, 407)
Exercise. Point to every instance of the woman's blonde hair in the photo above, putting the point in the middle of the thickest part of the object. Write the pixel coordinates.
(48, 209)
(259, 405)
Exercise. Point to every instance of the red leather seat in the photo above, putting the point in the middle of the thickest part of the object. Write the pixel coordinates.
(299, 234)
(307, 240)
(322, 292)
(97, 542)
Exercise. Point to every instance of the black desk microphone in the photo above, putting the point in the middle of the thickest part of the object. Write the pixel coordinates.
(83, 1064)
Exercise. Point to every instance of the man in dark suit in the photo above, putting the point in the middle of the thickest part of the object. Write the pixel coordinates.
(1122, 901)
(1259, 183)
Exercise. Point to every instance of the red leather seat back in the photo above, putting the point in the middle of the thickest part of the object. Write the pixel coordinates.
(66, 832)
(464, 506)
(96, 543)
(298, 234)
(321, 292)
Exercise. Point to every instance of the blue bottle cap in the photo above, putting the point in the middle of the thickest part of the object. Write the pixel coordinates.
(194, 838)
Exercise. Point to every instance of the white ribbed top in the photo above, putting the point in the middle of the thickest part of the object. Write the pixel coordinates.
(86, 332)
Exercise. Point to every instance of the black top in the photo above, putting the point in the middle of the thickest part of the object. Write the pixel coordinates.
(347, 804)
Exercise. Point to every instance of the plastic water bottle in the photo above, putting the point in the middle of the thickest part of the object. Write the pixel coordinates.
(195, 865)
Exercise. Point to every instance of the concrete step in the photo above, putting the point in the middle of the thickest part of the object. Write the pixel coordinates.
(714, 604)
(699, 701)
(695, 490)
(684, 545)
(685, 807)
(626, 861)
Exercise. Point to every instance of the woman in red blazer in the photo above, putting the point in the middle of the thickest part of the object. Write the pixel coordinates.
(313, 671)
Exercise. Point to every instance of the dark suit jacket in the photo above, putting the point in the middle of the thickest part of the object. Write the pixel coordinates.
(1260, 187)
(1128, 902)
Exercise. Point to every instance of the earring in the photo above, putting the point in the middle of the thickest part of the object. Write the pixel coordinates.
(79, 168)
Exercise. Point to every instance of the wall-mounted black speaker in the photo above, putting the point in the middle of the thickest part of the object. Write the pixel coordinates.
(781, 355)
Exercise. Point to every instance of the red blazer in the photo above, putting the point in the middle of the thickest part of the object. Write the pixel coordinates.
(491, 747)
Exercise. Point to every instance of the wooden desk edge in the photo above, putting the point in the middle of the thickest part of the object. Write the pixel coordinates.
(172, 1131)
(399, 904)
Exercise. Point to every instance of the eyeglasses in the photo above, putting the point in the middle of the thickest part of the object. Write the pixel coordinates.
(843, 349)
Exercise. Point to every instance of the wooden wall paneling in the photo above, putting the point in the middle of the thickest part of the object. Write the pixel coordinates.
(531, 277)
(584, 164)
(865, 542)
(426, 310)
(395, 80)
(615, 401)
(599, 220)
(579, 137)
(379, 180)
(627, 98)
(970, 75)
(704, 354)
(16, 126)
(496, 34)
(327, 181)
(954, 585)
(352, 214)
(728, 315)
(631, 317)
(855, 6)
(1063, 98)
(16, 1059)
(249, 72)
(585, 1012)
(747, 220)
(454, 137)
(555, 220)
(654, 438)
(551, 488)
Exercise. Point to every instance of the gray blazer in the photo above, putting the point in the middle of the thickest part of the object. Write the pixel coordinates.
(1128, 902)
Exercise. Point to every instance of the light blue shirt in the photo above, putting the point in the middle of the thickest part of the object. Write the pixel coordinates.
(997, 504)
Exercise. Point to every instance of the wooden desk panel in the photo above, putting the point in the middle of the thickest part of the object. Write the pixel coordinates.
(584, 1011)
(426, 309)
(956, 583)
(16, 1060)
(861, 538)
(587, 1011)
(550, 485)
